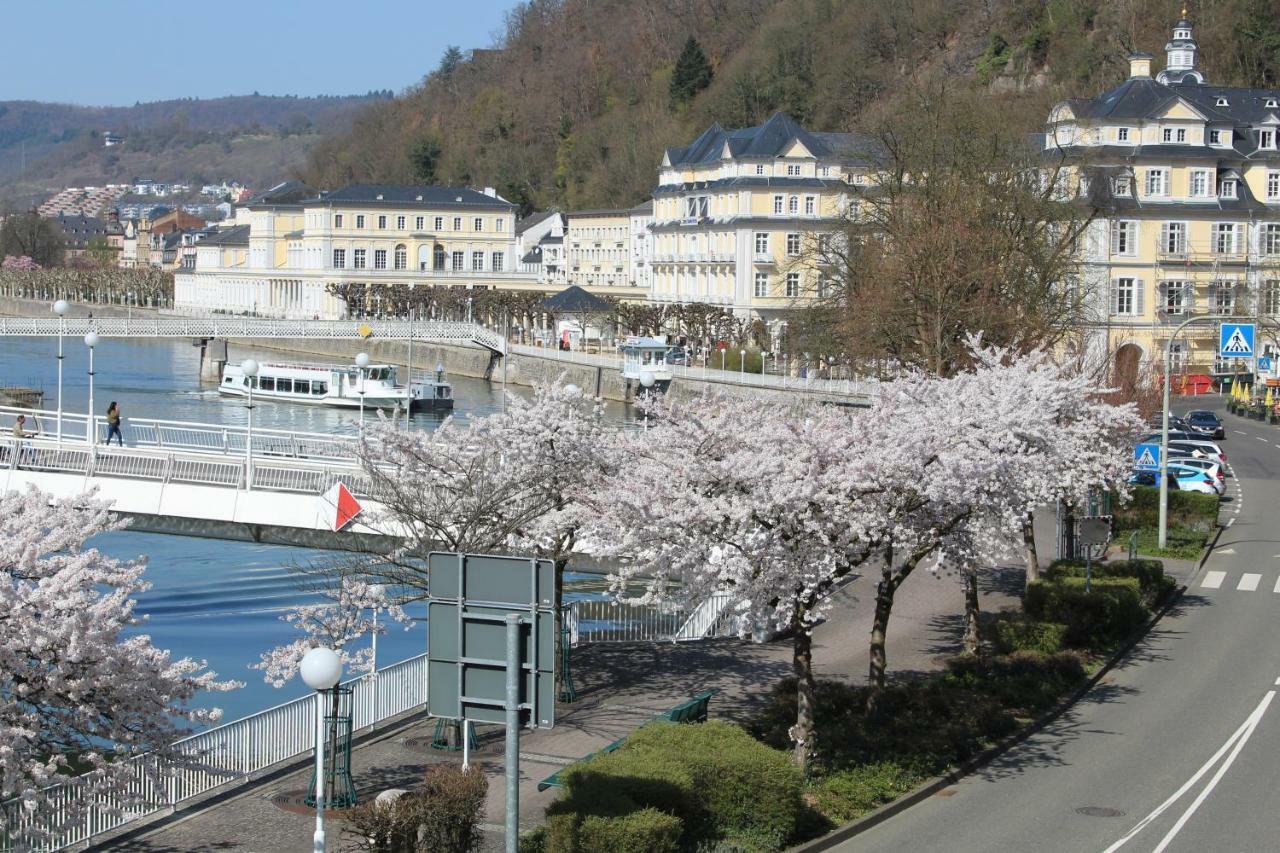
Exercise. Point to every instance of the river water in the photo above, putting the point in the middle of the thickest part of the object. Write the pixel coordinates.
(210, 599)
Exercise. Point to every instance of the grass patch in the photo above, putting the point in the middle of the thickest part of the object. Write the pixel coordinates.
(1181, 543)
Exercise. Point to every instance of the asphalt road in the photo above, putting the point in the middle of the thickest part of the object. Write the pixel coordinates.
(1178, 749)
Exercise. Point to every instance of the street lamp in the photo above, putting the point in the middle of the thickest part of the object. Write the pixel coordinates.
(321, 669)
(742, 363)
(91, 341)
(60, 308)
(250, 370)
(362, 362)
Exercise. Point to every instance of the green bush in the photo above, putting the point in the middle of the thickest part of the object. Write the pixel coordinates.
(846, 795)
(1094, 619)
(1026, 681)
(640, 831)
(1181, 543)
(1191, 510)
(721, 783)
(1153, 582)
(1015, 632)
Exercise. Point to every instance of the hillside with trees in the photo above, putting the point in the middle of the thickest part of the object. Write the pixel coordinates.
(252, 138)
(576, 101)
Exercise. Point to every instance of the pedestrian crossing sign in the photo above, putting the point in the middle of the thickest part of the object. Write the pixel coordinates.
(1235, 340)
(1146, 457)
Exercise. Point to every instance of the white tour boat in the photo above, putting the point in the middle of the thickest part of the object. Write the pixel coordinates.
(337, 385)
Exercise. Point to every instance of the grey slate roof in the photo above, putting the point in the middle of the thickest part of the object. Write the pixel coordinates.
(78, 230)
(768, 140)
(286, 194)
(752, 181)
(414, 196)
(523, 225)
(237, 235)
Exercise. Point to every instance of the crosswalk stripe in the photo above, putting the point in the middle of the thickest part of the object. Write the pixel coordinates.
(1249, 582)
(1277, 589)
(1213, 580)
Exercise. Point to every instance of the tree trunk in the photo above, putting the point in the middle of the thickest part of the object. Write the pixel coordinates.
(803, 734)
(879, 630)
(972, 627)
(1029, 543)
(560, 685)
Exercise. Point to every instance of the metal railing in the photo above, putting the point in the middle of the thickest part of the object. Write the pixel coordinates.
(191, 436)
(596, 620)
(431, 331)
(230, 754)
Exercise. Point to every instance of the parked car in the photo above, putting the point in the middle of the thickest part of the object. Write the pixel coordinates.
(1179, 435)
(1207, 421)
(1185, 471)
(1215, 469)
(1152, 479)
(678, 355)
(1201, 448)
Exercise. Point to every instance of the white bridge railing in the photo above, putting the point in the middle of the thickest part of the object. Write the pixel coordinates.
(155, 434)
(232, 753)
(432, 331)
(595, 620)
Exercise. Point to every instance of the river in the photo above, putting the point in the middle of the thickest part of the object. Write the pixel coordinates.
(215, 600)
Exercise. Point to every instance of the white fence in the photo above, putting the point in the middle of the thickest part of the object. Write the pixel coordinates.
(597, 620)
(190, 436)
(235, 752)
(432, 331)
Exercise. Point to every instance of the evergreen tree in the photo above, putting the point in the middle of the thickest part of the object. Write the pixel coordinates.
(692, 73)
(424, 157)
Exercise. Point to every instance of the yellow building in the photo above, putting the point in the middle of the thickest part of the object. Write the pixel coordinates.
(1187, 178)
(296, 244)
(609, 252)
(736, 210)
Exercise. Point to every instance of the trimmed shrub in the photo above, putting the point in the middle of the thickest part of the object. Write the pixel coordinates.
(721, 783)
(443, 815)
(1109, 612)
(1026, 681)
(849, 794)
(1152, 581)
(643, 831)
(1016, 632)
(1192, 510)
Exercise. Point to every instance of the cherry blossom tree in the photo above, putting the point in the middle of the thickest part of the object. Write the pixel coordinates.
(78, 690)
(349, 615)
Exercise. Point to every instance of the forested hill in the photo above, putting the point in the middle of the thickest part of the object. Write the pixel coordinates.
(575, 104)
(251, 138)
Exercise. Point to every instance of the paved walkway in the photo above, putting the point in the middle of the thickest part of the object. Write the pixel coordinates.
(620, 687)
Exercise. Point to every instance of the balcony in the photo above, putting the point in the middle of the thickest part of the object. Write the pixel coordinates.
(765, 258)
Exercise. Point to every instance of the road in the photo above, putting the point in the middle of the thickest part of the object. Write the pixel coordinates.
(1178, 748)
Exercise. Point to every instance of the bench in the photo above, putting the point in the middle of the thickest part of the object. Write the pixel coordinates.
(693, 711)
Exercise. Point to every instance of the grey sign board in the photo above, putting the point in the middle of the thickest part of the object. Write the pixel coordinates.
(1095, 530)
(470, 597)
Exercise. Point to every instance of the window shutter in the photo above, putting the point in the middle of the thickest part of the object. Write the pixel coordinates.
(1164, 237)
(1162, 297)
(1189, 296)
(1115, 296)
(1115, 241)
(1139, 297)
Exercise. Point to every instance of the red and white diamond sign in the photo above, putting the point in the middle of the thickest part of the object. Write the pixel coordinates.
(340, 506)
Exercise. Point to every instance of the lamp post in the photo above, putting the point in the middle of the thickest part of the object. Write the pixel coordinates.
(91, 341)
(742, 363)
(646, 382)
(321, 669)
(250, 369)
(362, 362)
(60, 308)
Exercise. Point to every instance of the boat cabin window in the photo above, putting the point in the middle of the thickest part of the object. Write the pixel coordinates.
(301, 386)
(319, 389)
(267, 383)
(284, 385)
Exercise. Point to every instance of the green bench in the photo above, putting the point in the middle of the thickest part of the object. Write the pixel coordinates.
(693, 711)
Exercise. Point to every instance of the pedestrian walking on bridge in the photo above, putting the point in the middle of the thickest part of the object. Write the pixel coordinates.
(113, 424)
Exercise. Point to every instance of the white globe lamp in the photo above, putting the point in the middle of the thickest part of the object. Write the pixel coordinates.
(60, 307)
(321, 668)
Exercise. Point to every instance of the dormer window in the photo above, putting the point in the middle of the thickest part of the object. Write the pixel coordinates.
(1271, 103)
(1168, 135)
(1228, 189)
(1222, 102)
(1182, 34)
(1121, 186)
(1267, 139)
(1215, 137)
(1122, 134)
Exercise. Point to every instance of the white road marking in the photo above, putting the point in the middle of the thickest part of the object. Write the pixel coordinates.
(1277, 589)
(1239, 432)
(1241, 734)
(1225, 551)
(1233, 521)
(1248, 582)
(1213, 580)
(1260, 438)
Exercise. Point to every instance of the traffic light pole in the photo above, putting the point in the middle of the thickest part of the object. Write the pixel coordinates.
(1164, 417)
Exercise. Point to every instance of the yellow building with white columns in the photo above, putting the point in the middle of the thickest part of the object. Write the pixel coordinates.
(736, 210)
(1186, 176)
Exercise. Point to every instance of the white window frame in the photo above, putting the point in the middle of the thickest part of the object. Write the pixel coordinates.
(337, 220)
(1126, 297)
(1156, 183)
(477, 224)
(382, 221)
(1173, 238)
(761, 290)
(1267, 139)
(778, 205)
(458, 261)
(420, 223)
(1221, 232)
(1175, 297)
(1271, 296)
(359, 220)
(477, 261)
(759, 168)
(359, 257)
(1201, 181)
(1271, 238)
(400, 257)
(793, 285)
(457, 223)
(1228, 189)
(1122, 186)
(498, 262)
(379, 259)
(811, 205)
(339, 259)
(762, 243)
(400, 223)
(1273, 186)
(1167, 135)
(1180, 135)
(793, 245)
(1215, 137)
(1223, 301)
(439, 223)
(1122, 134)
(793, 205)
(1124, 237)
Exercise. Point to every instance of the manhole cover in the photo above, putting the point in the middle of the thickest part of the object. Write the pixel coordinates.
(1099, 811)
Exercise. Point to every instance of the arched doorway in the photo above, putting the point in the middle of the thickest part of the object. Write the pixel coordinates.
(1125, 374)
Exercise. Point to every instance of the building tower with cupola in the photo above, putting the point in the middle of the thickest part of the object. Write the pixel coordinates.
(1180, 56)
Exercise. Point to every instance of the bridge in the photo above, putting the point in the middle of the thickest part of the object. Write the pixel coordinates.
(430, 331)
(198, 479)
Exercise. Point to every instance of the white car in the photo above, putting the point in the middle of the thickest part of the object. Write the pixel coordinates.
(1194, 479)
(1203, 449)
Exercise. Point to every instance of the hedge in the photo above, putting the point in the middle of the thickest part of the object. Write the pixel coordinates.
(1015, 632)
(1105, 615)
(722, 785)
(641, 831)
(846, 795)
(1186, 509)
(1025, 681)
(1152, 581)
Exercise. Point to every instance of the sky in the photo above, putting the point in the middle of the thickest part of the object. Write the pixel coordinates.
(103, 53)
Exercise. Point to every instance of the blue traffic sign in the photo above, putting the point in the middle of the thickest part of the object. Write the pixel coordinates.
(1235, 340)
(1264, 363)
(1146, 457)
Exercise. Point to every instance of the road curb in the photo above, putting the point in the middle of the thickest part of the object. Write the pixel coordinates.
(931, 787)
